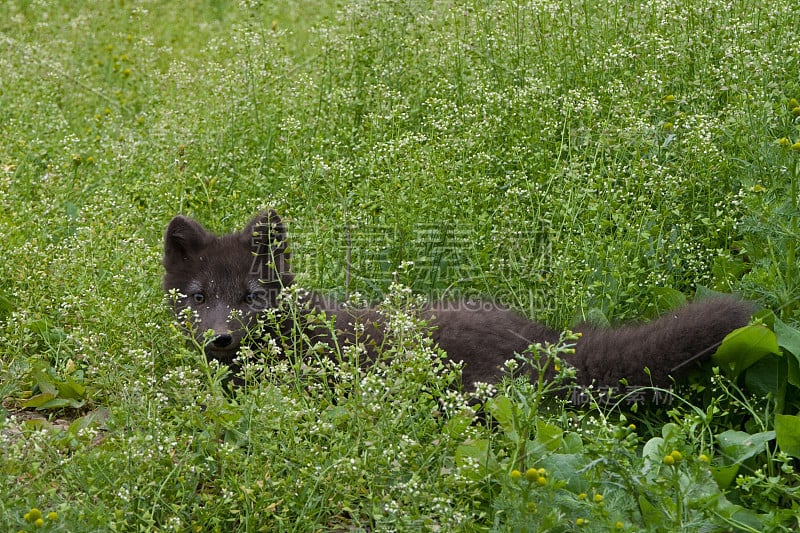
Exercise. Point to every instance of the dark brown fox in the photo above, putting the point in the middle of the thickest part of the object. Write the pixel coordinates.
(228, 281)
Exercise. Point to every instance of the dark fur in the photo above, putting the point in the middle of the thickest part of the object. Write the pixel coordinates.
(245, 271)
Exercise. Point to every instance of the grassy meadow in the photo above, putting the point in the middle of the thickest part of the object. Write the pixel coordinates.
(596, 160)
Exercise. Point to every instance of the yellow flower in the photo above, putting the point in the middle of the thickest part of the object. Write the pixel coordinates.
(669, 460)
(678, 456)
(582, 496)
(668, 99)
(531, 474)
(39, 522)
(542, 481)
(704, 458)
(783, 142)
(758, 188)
(796, 111)
(581, 522)
(619, 525)
(52, 516)
(33, 515)
(793, 103)
(598, 498)
(515, 474)
(796, 147)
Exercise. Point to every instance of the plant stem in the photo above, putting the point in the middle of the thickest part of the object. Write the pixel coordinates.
(791, 265)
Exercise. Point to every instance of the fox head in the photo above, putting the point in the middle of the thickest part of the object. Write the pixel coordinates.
(226, 281)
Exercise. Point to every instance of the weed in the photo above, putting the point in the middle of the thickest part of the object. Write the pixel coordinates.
(574, 160)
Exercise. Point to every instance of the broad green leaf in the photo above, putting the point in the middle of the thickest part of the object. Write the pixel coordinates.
(567, 467)
(472, 452)
(5, 306)
(652, 452)
(787, 434)
(739, 446)
(793, 371)
(724, 474)
(767, 376)
(671, 431)
(94, 418)
(736, 514)
(596, 318)
(549, 435)
(667, 298)
(573, 443)
(70, 389)
(788, 337)
(742, 347)
(36, 424)
(44, 382)
(456, 425)
(475, 449)
(650, 513)
(789, 340)
(38, 400)
(702, 292)
(502, 410)
(61, 403)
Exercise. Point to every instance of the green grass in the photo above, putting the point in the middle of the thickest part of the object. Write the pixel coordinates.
(570, 159)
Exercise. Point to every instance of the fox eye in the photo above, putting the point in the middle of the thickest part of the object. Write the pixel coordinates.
(253, 298)
(256, 299)
(199, 297)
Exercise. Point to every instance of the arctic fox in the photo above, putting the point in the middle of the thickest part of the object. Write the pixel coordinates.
(228, 281)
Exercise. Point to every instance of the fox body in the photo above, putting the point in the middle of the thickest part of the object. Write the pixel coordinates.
(228, 281)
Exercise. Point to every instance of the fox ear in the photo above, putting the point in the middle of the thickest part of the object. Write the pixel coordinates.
(266, 234)
(183, 237)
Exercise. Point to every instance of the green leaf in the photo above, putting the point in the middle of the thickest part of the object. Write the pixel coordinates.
(567, 467)
(573, 443)
(667, 298)
(743, 347)
(548, 434)
(474, 449)
(787, 434)
(789, 341)
(472, 452)
(44, 382)
(739, 446)
(6, 306)
(652, 451)
(767, 376)
(652, 515)
(502, 410)
(724, 474)
(61, 403)
(596, 318)
(38, 400)
(71, 389)
(94, 418)
(788, 337)
(36, 424)
(456, 425)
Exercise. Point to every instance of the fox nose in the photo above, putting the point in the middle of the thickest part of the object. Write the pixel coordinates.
(221, 341)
